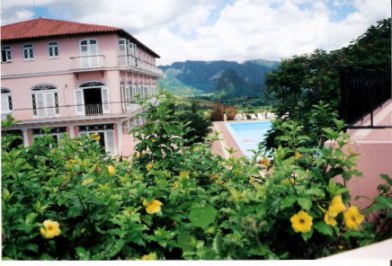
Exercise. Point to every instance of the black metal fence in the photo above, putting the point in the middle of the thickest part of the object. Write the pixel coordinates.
(363, 90)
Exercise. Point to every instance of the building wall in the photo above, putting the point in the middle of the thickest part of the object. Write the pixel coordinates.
(65, 74)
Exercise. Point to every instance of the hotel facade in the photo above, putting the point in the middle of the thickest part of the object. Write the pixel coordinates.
(74, 79)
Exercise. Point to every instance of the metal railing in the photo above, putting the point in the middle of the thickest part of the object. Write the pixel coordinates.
(363, 89)
(93, 109)
(133, 62)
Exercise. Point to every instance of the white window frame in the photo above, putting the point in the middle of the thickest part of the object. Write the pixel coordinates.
(6, 97)
(105, 132)
(47, 93)
(28, 49)
(53, 47)
(7, 58)
(89, 58)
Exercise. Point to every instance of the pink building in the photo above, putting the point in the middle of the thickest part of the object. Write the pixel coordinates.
(75, 78)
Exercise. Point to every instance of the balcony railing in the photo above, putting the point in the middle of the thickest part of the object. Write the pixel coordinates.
(93, 62)
(93, 109)
(88, 62)
(132, 62)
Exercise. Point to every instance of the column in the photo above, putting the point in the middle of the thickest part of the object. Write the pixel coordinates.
(119, 138)
(25, 137)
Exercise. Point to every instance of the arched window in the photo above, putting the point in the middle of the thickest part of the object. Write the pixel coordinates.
(6, 101)
(45, 100)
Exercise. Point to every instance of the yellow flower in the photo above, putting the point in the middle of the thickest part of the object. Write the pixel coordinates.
(111, 170)
(154, 140)
(151, 256)
(219, 182)
(265, 162)
(175, 185)
(336, 206)
(184, 175)
(149, 166)
(330, 220)
(352, 218)
(70, 163)
(301, 222)
(213, 176)
(297, 155)
(153, 206)
(95, 137)
(51, 229)
(87, 181)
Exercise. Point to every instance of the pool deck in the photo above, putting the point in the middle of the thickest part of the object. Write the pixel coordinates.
(226, 139)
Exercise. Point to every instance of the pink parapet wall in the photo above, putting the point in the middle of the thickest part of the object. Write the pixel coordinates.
(374, 147)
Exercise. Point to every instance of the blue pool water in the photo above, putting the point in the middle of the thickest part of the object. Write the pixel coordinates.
(248, 135)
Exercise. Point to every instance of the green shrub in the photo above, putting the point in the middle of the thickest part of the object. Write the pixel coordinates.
(177, 201)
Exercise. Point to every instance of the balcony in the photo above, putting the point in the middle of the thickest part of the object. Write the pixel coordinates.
(138, 64)
(93, 109)
(87, 63)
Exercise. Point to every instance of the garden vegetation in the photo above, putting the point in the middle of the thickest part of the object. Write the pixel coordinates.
(177, 200)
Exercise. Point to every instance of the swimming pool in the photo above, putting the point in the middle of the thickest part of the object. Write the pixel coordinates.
(248, 135)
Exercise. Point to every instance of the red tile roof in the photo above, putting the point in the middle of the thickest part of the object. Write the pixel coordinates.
(43, 28)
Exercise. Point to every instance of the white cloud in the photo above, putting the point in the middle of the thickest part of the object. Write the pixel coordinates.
(210, 30)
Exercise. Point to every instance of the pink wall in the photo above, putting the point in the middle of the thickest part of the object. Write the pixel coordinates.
(68, 47)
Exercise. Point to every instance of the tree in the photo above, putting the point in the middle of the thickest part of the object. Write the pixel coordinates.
(307, 80)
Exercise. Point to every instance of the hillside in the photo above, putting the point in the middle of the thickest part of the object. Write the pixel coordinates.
(224, 78)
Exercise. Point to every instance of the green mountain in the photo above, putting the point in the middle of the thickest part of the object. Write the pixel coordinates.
(222, 78)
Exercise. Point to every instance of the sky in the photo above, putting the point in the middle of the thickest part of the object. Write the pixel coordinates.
(234, 30)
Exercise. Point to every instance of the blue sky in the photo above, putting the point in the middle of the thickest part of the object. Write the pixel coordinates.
(235, 30)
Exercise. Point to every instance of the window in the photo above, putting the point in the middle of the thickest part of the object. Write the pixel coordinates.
(55, 133)
(89, 54)
(53, 49)
(28, 53)
(6, 54)
(45, 101)
(104, 131)
(6, 101)
(126, 52)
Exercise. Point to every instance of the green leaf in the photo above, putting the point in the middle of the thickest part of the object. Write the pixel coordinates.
(113, 250)
(82, 253)
(202, 217)
(217, 245)
(288, 202)
(30, 218)
(32, 247)
(307, 236)
(185, 242)
(323, 228)
(305, 203)
(316, 192)
(384, 201)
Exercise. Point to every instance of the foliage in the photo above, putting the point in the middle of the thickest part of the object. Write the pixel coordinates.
(303, 81)
(199, 122)
(174, 201)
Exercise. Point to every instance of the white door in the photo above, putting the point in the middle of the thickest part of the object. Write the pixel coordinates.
(122, 43)
(79, 102)
(105, 100)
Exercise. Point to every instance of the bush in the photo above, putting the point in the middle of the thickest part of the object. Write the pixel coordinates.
(218, 110)
(174, 201)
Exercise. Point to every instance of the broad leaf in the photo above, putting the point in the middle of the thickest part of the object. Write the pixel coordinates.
(202, 216)
(323, 228)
